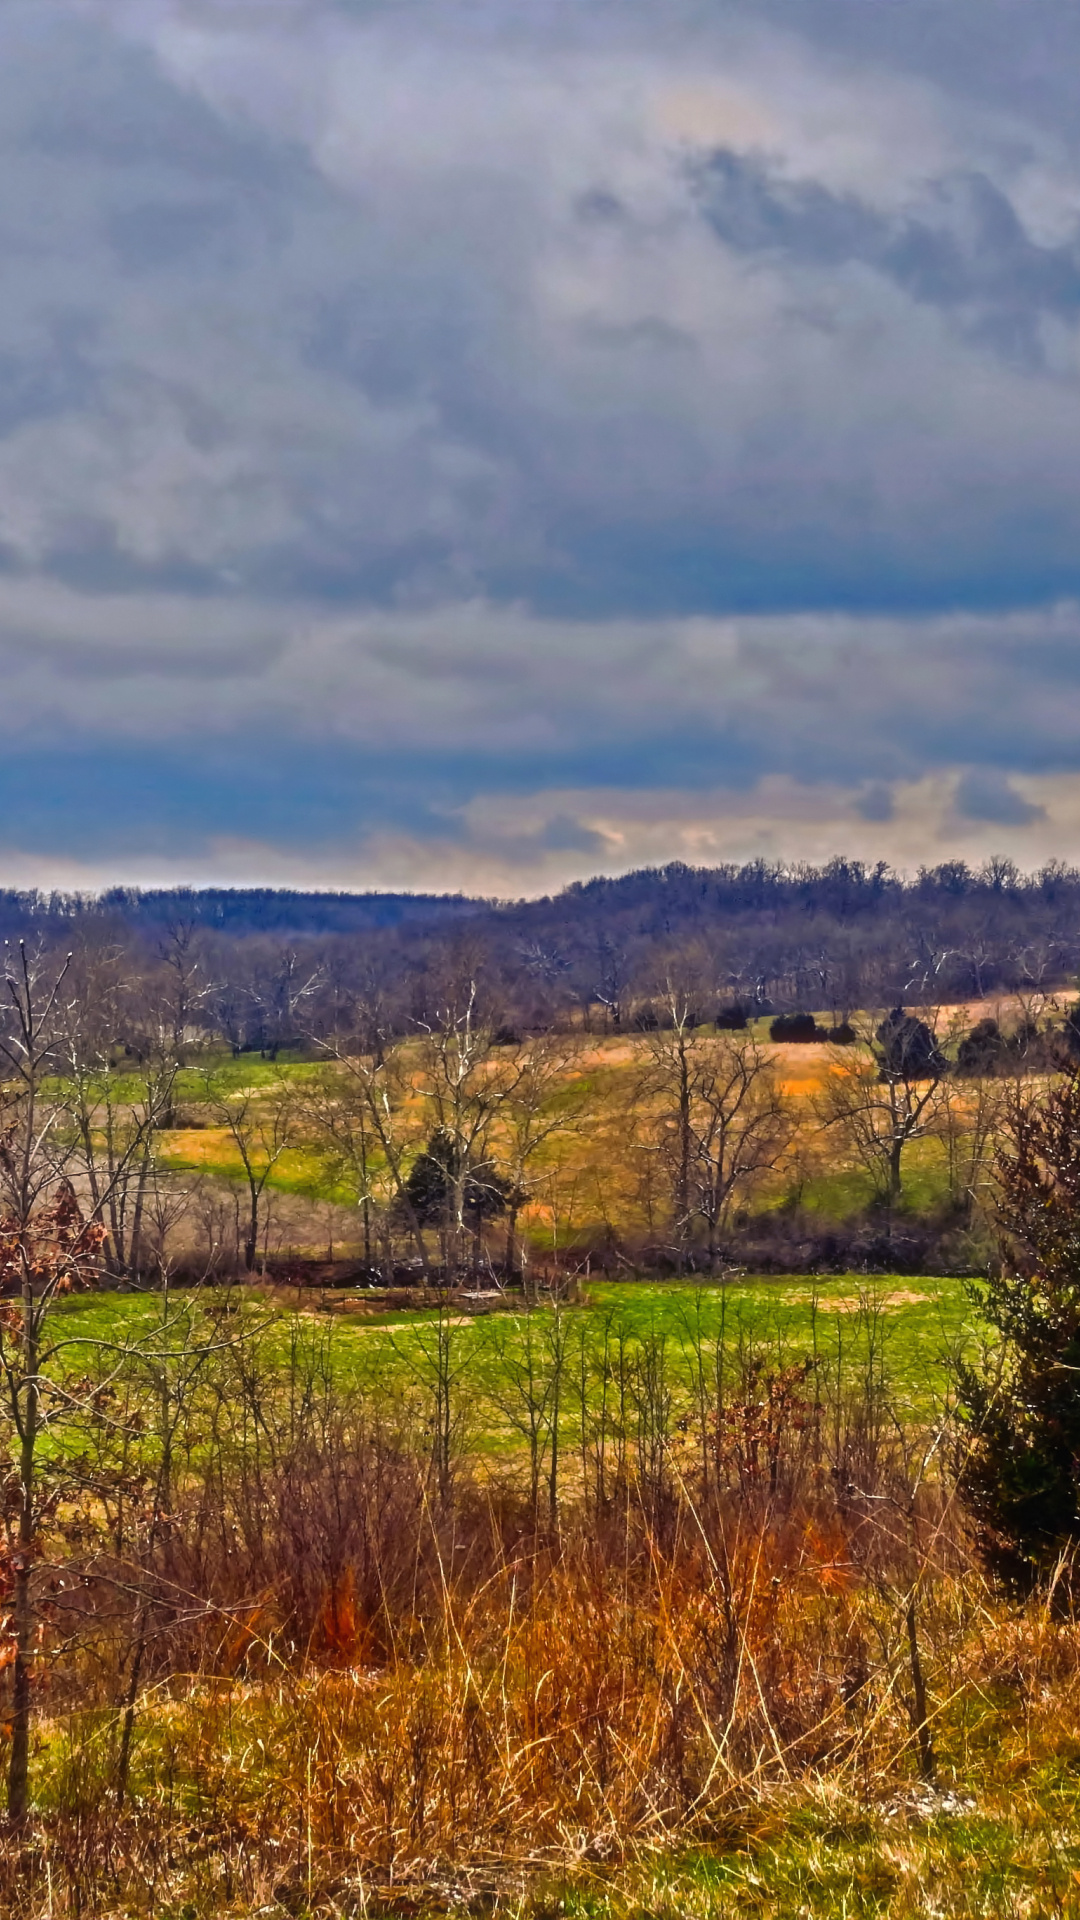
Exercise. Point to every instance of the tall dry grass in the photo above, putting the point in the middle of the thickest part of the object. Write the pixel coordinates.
(358, 1684)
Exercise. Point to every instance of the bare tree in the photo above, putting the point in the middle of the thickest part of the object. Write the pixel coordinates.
(463, 1084)
(283, 980)
(970, 1117)
(367, 1117)
(886, 1094)
(184, 984)
(545, 1099)
(115, 1098)
(260, 1123)
(46, 1247)
(611, 981)
(445, 1130)
(744, 1126)
(721, 1121)
(673, 1057)
(334, 1107)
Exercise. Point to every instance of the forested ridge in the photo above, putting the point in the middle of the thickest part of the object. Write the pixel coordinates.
(765, 936)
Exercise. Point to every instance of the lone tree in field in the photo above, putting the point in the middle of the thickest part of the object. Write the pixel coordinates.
(1020, 1474)
(884, 1096)
(443, 1185)
(723, 1123)
(259, 1121)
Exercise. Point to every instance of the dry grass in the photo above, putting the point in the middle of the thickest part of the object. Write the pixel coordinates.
(661, 1739)
(685, 1691)
(597, 1182)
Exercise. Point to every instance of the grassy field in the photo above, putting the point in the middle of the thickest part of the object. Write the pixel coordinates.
(601, 1609)
(907, 1330)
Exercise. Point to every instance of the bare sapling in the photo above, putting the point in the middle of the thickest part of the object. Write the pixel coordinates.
(886, 1093)
(720, 1124)
(260, 1122)
(47, 1247)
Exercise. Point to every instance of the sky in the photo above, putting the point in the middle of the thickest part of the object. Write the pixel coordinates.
(482, 443)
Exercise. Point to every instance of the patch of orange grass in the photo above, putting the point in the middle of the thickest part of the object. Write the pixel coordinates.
(204, 1146)
(854, 1303)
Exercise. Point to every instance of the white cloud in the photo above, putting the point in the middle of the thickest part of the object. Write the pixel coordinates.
(504, 846)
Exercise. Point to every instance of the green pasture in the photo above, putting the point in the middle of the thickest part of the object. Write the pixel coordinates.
(904, 1331)
(843, 1191)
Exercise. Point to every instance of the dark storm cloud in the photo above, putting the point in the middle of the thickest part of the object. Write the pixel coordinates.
(966, 252)
(985, 794)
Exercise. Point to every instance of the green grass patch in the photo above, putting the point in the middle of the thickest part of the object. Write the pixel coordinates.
(906, 1330)
(884, 1862)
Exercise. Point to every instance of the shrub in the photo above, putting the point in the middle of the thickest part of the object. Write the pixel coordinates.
(981, 1051)
(800, 1028)
(987, 1050)
(731, 1019)
(1020, 1470)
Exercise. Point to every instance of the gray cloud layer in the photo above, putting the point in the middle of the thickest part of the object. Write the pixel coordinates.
(536, 397)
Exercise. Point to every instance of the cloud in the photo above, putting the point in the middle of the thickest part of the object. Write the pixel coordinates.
(431, 403)
(876, 803)
(501, 844)
(476, 687)
(351, 323)
(986, 794)
(964, 250)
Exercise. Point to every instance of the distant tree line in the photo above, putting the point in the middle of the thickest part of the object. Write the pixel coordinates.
(263, 966)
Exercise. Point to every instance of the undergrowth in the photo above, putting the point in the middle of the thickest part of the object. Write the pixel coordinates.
(304, 1654)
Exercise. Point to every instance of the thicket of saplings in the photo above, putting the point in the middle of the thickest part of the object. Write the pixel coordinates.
(276, 1642)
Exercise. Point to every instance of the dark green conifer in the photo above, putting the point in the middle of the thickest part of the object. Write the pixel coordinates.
(1020, 1464)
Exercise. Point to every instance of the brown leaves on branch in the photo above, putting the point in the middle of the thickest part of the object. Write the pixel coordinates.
(53, 1251)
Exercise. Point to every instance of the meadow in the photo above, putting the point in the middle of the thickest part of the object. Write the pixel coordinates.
(910, 1331)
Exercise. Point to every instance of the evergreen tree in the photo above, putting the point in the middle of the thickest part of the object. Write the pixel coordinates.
(1020, 1470)
(432, 1181)
(908, 1048)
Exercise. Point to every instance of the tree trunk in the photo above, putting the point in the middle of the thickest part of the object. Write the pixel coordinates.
(682, 1198)
(23, 1607)
(511, 1242)
(927, 1764)
(127, 1729)
(556, 1407)
(134, 1255)
(251, 1239)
